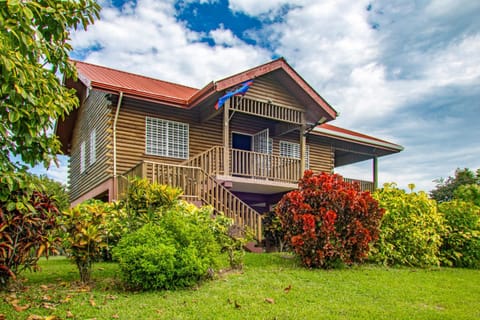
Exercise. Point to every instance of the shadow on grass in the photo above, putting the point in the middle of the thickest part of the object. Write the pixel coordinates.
(274, 260)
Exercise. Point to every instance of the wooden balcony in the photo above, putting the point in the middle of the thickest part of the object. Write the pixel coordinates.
(248, 164)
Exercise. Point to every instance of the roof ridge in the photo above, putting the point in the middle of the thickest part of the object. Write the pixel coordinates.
(134, 74)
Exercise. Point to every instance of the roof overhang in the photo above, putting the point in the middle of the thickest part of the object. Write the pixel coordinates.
(352, 147)
(357, 138)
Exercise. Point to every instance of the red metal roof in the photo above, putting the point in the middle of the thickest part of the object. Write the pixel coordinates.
(134, 84)
(144, 87)
(345, 134)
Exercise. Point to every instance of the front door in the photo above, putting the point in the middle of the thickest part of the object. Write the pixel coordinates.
(241, 147)
(241, 141)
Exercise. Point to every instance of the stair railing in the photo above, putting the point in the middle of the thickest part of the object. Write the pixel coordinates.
(197, 184)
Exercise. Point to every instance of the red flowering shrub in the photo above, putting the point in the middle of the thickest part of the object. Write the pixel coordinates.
(328, 220)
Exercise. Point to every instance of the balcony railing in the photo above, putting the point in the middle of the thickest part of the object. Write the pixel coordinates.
(364, 185)
(264, 166)
(256, 165)
(248, 164)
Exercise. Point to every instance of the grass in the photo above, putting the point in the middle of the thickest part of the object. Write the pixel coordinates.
(360, 292)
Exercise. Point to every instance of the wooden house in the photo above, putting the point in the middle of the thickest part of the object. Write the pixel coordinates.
(239, 158)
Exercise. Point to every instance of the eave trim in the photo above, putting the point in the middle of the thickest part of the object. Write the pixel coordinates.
(350, 137)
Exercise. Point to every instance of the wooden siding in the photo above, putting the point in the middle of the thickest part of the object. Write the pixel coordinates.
(203, 136)
(131, 133)
(321, 155)
(94, 114)
(267, 89)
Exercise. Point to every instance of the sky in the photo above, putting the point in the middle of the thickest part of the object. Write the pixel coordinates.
(404, 71)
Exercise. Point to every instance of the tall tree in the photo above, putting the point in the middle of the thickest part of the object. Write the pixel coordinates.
(445, 188)
(34, 49)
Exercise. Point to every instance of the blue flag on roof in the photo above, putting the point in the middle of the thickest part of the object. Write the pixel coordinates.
(238, 92)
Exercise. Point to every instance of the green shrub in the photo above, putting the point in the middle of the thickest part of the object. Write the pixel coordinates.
(175, 251)
(461, 241)
(411, 228)
(54, 189)
(145, 201)
(232, 238)
(328, 221)
(27, 227)
(88, 229)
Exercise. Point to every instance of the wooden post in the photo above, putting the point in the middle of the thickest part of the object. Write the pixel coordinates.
(226, 140)
(375, 173)
(303, 146)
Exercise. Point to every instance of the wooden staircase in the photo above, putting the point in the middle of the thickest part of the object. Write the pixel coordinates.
(197, 185)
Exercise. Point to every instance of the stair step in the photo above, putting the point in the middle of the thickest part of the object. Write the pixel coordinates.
(252, 246)
(197, 203)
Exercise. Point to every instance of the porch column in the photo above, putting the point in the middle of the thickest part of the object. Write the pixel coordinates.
(303, 144)
(226, 140)
(375, 173)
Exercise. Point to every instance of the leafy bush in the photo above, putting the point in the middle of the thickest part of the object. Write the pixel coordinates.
(89, 228)
(461, 241)
(327, 220)
(175, 251)
(144, 199)
(411, 228)
(232, 238)
(273, 232)
(27, 224)
(54, 189)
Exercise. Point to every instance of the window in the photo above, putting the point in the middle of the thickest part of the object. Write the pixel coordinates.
(82, 157)
(93, 147)
(166, 138)
(292, 150)
(289, 149)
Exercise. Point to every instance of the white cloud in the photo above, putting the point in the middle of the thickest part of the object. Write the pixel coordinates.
(458, 63)
(258, 8)
(225, 37)
(150, 41)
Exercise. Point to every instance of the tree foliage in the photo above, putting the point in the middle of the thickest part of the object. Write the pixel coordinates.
(445, 188)
(34, 47)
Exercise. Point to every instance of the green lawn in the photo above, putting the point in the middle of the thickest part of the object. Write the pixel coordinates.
(366, 292)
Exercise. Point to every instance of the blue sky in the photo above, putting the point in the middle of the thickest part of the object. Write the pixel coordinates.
(404, 71)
